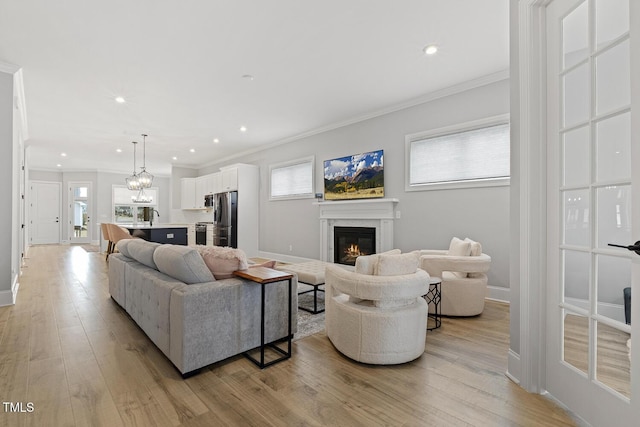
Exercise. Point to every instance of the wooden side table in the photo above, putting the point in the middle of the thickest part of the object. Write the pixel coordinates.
(264, 276)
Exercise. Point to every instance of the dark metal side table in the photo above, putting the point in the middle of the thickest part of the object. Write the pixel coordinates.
(434, 295)
(264, 276)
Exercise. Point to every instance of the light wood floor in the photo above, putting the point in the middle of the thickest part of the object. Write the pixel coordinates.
(71, 351)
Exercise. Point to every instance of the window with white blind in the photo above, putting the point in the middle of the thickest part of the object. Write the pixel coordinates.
(292, 180)
(473, 154)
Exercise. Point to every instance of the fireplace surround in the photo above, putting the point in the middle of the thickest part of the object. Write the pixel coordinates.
(373, 213)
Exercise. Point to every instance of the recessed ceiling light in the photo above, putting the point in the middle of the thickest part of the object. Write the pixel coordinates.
(59, 165)
(216, 140)
(430, 49)
(118, 150)
(63, 154)
(248, 77)
(193, 150)
(243, 128)
(120, 100)
(174, 158)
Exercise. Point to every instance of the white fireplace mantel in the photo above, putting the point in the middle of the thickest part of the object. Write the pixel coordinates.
(376, 213)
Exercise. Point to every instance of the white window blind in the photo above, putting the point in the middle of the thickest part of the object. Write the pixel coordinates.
(292, 180)
(478, 154)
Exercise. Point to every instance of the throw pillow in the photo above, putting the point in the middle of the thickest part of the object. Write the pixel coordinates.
(223, 261)
(183, 263)
(459, 247)
(366, 264)
(396, 265)
(475, 248)
(123, 247)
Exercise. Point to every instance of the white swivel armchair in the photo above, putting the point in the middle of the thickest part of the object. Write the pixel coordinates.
(463, 270)
(378, 318)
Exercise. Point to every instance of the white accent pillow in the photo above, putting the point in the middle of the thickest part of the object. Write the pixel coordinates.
(475, 247)
(396, 265)
(459, 247)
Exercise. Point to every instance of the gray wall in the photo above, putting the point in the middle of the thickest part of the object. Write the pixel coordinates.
(428, 218)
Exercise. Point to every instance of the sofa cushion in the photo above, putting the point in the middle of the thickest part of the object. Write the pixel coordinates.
(123, 247)
(142, 251)
(183, 263)
(223, 261)
(397, 265)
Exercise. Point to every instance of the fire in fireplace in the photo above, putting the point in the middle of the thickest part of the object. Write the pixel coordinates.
(351, 242)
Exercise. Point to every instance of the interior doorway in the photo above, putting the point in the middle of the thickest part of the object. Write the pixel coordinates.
(80, 212)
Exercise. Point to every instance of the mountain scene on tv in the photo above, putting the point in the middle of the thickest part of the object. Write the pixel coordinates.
(359, 176)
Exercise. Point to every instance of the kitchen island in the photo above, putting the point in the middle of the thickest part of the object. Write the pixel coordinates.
(175, 234)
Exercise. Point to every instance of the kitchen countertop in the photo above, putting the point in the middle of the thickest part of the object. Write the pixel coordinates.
(155, 226)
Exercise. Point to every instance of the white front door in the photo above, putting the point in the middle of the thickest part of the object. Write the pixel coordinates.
(45, 213)
(80, 212)
(592, 200)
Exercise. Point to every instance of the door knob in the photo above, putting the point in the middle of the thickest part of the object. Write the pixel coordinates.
(635, 247)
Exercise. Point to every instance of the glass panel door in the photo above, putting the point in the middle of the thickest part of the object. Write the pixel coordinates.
(80, 212)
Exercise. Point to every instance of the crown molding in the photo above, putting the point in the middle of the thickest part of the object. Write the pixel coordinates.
(6, 67)
(423, 99)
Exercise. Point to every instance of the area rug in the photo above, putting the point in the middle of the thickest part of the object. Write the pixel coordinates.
(309, 324)
(90, 248)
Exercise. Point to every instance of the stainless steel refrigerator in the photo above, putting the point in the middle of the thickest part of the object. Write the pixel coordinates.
(225, 221)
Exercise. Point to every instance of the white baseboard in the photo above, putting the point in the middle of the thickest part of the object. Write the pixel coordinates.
(513, 367)
(9, 297)
(498, 293)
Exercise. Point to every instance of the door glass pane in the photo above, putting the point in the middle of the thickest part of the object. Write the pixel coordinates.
(614, 274)
(613, 362)
(80, 192)
(613, 79)
(576, 96)
(576, 278)
(576, 341)
(614, 215)
(576, 157)
(575, 36)
(613, 144)
(576, 218)
(80, 219)
(612, 20)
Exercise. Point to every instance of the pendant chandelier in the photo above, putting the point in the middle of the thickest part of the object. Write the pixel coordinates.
(144, 178)
(133, 182)
(140, 181)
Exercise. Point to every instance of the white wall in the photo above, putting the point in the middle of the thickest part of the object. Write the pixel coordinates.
(428, 218)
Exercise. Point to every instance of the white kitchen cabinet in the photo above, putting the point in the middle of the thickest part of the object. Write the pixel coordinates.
(230, 178)
(216, 179)
(188, 193)
(200, 192)
(191, 234)
(209, 185)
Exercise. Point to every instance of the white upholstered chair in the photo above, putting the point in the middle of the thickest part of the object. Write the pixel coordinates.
(463, 270)
(377, 318)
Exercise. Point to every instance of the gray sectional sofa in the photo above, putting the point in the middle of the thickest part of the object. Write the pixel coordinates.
(192, 318)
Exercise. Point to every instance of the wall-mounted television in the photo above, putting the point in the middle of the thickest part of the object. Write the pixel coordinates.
(359, 176)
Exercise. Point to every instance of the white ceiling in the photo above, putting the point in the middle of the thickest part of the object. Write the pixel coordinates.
(179, 65)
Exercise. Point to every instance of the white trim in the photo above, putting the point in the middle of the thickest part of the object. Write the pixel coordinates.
(283, 258)
(442, 93)
(531, 195)
(498, 293)
(6, 67)
(612, 311)
(9, 297)
(514, 365)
